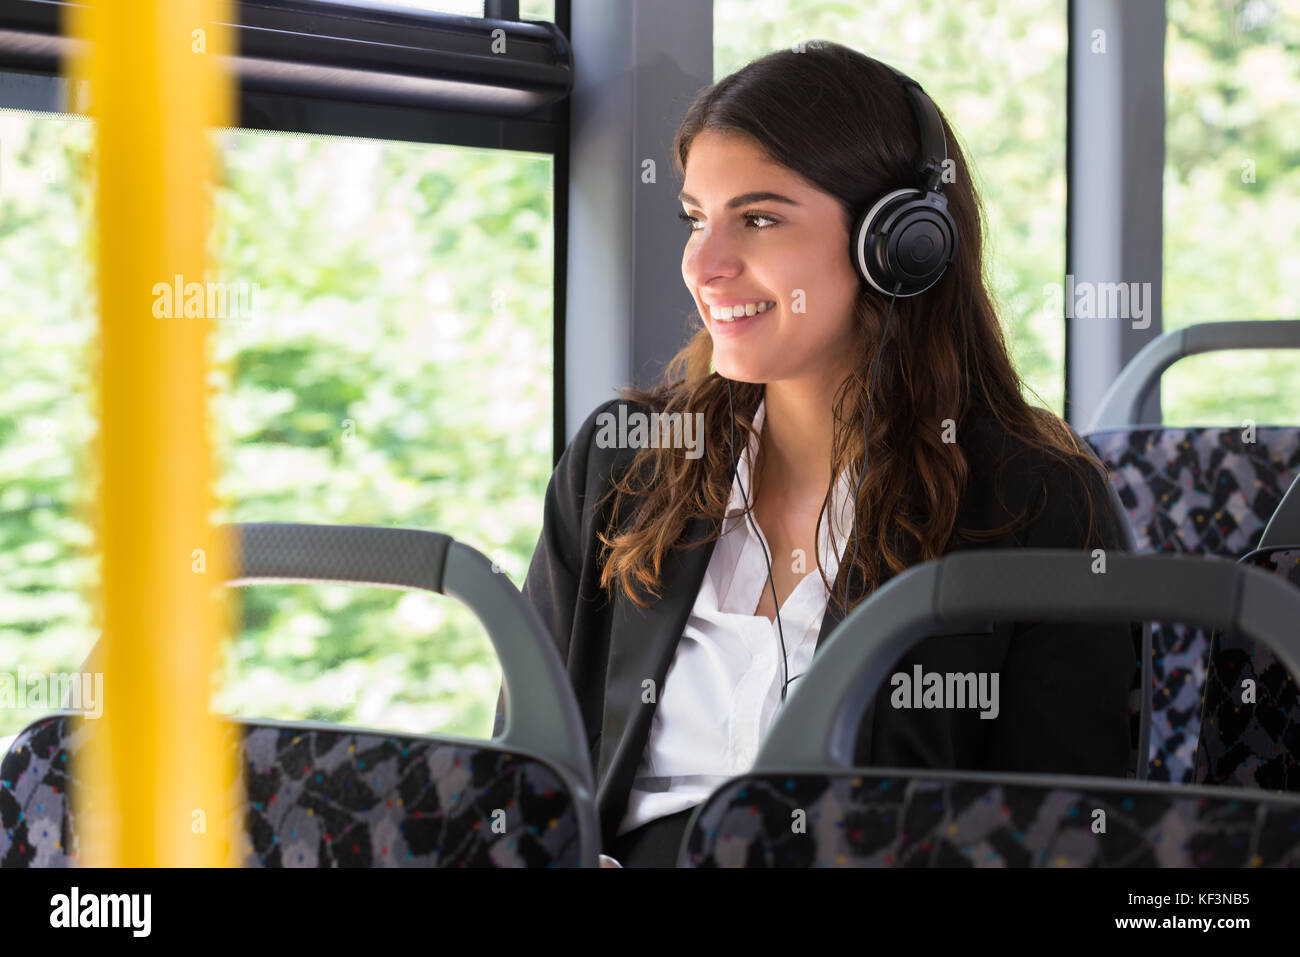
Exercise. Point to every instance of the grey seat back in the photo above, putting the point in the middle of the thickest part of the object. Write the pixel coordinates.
(321, 795)
(803, 803)
(1250, 718)
(1196, 490)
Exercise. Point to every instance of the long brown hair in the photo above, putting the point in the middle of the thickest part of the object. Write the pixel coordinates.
(842, 121)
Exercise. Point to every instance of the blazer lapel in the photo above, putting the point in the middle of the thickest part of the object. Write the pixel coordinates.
(831, 620)
(642, 645)
(834, 613)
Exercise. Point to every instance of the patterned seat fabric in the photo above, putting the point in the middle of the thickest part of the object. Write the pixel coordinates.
(854, 820)
(1201, 491)
(1250, 719)
(323, 798)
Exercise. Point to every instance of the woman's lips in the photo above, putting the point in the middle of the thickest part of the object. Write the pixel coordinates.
(721, 327)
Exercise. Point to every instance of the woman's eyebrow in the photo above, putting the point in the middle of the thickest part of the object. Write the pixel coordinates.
(742, 199)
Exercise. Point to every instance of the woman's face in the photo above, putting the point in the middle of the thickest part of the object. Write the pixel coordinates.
(788, 247)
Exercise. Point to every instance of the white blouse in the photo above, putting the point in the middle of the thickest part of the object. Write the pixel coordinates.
(723, 688)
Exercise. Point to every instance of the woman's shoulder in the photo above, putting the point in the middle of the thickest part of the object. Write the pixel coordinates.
(983, 434)
(604, 445)
(1062, 491)
(611, 411)
(609, 434)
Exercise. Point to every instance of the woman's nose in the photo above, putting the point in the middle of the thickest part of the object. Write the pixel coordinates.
(710, 255)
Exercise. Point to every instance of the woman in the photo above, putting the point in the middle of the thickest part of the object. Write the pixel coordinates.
(654, 578)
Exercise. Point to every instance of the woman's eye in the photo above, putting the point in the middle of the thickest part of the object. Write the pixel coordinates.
(691, 221)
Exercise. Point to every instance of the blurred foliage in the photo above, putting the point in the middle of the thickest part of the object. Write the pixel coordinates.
(1232, 201)
(396, 370)
(397, 365)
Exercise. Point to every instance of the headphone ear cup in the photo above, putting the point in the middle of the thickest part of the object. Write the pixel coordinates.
(904, 242)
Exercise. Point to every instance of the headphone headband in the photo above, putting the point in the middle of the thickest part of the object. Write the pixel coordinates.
(903, 241)
(934, 146)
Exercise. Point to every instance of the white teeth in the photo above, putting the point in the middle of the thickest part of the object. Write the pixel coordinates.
(731, 313)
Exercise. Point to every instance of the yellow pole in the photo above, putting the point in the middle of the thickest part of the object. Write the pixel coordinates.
(156, 772)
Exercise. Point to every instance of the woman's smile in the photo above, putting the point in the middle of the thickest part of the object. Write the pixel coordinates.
(732, 321)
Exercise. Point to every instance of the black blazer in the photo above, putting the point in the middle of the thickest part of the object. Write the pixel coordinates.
(1063, 688)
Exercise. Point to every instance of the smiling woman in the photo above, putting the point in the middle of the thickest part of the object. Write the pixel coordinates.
(771, 192)
(682, 668)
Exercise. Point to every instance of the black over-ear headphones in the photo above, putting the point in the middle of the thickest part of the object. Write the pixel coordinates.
(904, 241)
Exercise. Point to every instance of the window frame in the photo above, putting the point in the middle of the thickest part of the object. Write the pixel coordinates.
(341, 69)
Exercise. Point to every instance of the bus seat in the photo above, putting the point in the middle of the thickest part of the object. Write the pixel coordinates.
(327, 796)
(804, 804)
(1139, 694)
(1195, 490)
(317, 795)
(1253, 740)
(908, 818)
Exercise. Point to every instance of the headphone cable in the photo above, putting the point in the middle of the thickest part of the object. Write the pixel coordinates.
(735, 475)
